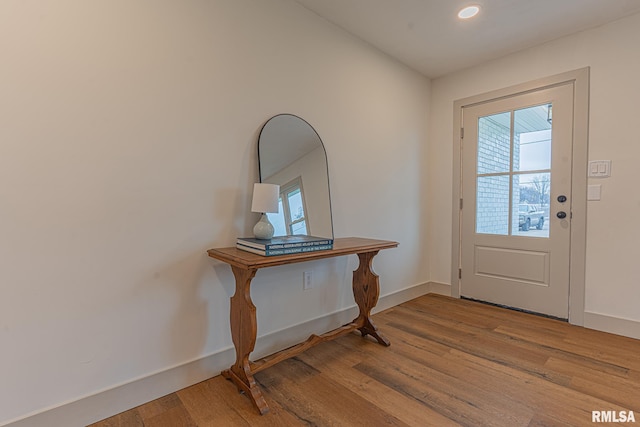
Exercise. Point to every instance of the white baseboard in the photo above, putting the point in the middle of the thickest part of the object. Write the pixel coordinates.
(120, 398)
(440, 288)
(615, 325)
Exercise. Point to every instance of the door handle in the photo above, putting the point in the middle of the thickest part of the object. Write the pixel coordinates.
(561, 214)
(562, 198)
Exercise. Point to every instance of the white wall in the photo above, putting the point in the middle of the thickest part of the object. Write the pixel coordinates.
(612, 275)
(128, 147)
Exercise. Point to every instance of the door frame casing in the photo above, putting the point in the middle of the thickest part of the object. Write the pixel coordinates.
(577, 262)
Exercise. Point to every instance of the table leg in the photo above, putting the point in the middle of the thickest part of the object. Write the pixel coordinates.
(366, 290)
(244, 328)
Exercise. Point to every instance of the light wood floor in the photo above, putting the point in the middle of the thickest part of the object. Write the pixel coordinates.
(451, 362)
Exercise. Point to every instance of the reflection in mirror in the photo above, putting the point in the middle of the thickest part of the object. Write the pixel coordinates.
(291, 154)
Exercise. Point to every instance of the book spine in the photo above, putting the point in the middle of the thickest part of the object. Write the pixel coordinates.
(299, 244)
(284, 251)
(271, 246)
(297, 250)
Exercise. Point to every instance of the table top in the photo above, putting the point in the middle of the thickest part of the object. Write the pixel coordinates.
(341, 246)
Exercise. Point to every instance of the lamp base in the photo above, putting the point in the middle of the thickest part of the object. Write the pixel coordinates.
(263, 229)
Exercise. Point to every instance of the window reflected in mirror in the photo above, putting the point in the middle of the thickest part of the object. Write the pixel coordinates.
(291, 218)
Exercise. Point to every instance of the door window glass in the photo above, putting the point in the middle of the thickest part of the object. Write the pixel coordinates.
(494, 143)
(492, 202)
(514, 172)
(530, 204)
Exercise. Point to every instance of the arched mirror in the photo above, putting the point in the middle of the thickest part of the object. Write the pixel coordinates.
(291, 154)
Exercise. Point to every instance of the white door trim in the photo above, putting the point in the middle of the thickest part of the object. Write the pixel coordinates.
(580, 80)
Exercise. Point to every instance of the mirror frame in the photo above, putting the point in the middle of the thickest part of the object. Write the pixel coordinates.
(326, 161)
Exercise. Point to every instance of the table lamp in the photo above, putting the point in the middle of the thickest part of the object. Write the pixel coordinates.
(265, 200)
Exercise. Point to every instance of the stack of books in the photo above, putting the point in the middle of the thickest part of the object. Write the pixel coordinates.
(284, 245)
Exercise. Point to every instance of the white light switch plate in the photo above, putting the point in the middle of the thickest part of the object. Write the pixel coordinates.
(599, 168)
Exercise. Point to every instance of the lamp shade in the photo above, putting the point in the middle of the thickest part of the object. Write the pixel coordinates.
(265, 198)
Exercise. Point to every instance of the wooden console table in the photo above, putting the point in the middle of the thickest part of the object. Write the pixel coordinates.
(366, 289)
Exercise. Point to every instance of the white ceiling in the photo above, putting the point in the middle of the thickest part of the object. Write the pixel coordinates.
(427, 35)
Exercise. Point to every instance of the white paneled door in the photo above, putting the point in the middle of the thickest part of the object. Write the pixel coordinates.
(516, 198)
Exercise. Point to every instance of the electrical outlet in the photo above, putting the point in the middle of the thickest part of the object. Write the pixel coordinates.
(307, 282)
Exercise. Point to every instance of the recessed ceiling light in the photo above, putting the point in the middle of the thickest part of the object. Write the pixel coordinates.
(468, 12)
